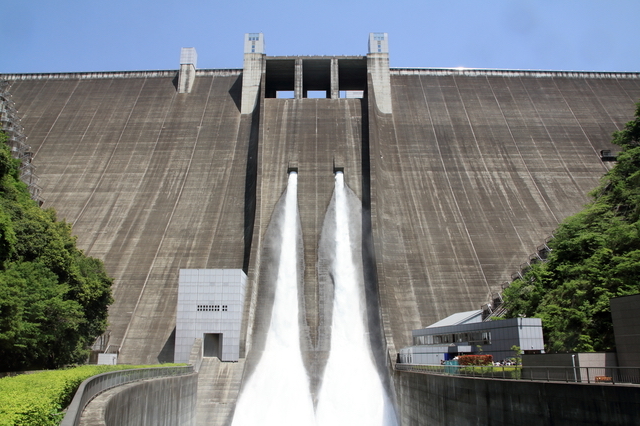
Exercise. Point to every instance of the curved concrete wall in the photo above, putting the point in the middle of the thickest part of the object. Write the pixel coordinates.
(427, 399)
(169, 401)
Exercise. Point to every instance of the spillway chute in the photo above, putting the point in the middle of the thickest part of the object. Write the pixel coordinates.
(352, 391)
(278, 390)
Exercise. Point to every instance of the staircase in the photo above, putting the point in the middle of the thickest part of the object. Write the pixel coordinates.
(218, 387)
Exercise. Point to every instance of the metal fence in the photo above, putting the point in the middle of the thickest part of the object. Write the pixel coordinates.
(95, 385)
(600, 375)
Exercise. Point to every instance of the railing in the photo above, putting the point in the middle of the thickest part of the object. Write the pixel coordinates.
(95, 385)
(600, 375)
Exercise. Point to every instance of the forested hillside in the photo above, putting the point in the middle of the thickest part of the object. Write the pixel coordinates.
(53, 298)
(595, 256)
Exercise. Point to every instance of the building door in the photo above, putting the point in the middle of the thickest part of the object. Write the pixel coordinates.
(212, 345)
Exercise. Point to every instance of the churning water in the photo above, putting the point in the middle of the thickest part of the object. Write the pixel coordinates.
(277, 393)
(352, 392)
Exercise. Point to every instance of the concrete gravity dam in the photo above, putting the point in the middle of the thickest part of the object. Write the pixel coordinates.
(455, 176)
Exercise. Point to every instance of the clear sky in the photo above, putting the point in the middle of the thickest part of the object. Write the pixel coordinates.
(121, 35)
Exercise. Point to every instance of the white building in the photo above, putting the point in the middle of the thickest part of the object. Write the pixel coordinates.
(210, 305)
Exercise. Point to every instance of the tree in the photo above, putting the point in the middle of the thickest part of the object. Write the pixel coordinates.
(517, 354)
(53, 298)
(595, 256)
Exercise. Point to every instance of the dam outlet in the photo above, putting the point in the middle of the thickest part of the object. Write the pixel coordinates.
(352, 391)
(277, 392)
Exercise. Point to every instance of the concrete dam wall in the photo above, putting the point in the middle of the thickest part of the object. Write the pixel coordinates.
(472, 172)
(311, 135)
(152, 181)
(461, 174)
(468, 175)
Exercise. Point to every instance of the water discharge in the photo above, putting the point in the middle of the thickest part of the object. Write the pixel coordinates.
(352, 392)
(277, 393)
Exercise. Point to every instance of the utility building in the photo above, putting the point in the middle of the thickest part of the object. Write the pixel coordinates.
(210, 303)
(465, 333)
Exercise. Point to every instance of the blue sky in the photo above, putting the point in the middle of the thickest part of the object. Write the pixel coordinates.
(117, 35)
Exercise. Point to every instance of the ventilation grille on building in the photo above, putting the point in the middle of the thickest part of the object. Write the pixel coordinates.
(208, 308)
(212, 308)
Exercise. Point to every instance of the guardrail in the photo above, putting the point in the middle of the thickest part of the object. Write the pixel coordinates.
(95, 385)
(600, 375)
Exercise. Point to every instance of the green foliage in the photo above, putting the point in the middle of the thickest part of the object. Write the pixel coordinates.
(38, 399)
(53, 298)
(595, 257)
(517, 354)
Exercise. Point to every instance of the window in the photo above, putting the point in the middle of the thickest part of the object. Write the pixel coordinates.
(378, 36)
(419, 340)
(254, 36)
(285, 94)
(224, 308)
(316, 94)
(473, 338)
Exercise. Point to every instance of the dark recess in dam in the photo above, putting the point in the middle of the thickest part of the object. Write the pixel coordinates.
(461, 173)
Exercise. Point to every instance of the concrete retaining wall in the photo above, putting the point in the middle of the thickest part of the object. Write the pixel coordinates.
(425, 399)
(158, 402)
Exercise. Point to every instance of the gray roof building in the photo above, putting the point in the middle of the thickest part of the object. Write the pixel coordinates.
(464, 333)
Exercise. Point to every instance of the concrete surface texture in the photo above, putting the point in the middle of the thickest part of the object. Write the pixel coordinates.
(167, 401)
(152, 181)
(444, 400)
(313, 134)
(252, 72)
(471, 172)
(218, 385)
(378, 66)
(468, 174)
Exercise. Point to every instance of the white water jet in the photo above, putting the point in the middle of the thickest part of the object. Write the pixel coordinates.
(277, 393)
(352, 392)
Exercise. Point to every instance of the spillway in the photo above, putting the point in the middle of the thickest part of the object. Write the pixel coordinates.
(459, 182)
(277, 392)
(352, 391)
(467, 177)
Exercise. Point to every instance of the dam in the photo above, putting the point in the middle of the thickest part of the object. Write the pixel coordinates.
(460, 175)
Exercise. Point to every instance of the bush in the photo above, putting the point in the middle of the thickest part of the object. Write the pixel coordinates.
(475, 359)
(39, 399)
(53, 298)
